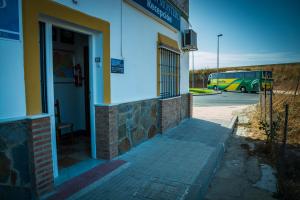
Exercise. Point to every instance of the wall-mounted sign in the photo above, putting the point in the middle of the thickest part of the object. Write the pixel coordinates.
(117, 66)
(9, 19)
(97, 59)
(163, 10)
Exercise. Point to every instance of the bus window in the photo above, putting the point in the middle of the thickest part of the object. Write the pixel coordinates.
(233, 75)
(258, 74)
(239, 75)
(228, 75)
(221, 75)
(250, 75)
(267, 74)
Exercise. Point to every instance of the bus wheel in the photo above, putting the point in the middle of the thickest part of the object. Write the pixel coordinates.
(243, 89)
(215, 87)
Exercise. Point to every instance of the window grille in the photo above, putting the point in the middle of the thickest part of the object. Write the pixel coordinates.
(169, 73)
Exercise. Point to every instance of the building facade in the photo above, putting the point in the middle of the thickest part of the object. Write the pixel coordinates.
(111, 73)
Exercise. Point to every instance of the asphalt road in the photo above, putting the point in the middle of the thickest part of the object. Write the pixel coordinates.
(226, 99)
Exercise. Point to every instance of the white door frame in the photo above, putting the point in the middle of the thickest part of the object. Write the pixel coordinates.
(49, 22)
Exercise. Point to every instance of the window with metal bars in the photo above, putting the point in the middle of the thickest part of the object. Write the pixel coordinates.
(169, 73)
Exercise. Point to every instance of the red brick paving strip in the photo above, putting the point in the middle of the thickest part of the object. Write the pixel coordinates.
(74, 185)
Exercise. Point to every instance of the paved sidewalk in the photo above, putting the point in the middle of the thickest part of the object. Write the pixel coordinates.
(176, 165)
(217, 114)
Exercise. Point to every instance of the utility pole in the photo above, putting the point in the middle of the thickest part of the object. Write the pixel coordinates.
(220, 35)
(203, 77)
(193, 81)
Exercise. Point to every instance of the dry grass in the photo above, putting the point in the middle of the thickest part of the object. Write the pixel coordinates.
(284, 74)
(285, 80)
(288, 171)
(255, 132)
(279, 101)
(293, 117)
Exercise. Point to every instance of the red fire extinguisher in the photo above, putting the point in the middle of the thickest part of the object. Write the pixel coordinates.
(77, 75)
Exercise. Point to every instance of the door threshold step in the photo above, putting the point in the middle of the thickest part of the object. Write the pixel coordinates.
(74, 185)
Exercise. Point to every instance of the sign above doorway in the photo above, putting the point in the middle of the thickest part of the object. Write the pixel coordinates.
(9, 28)
(162, 9)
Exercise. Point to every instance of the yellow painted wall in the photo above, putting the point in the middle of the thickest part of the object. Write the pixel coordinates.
(32, 9)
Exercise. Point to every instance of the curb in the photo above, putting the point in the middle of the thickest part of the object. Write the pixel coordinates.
(199, 188)
(233, 123)
(215, 93)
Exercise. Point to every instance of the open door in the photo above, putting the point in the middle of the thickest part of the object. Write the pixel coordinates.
(71, 96)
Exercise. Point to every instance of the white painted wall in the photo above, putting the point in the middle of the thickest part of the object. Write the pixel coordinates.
(139, 52)
(12, 84)
(184, 64)
(139, 47)
(12, 88)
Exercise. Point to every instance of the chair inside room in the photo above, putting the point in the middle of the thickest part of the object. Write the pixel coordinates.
(60, 126)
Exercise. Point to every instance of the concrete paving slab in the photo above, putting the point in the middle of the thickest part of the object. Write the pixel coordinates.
(176, 165)
(217, 114)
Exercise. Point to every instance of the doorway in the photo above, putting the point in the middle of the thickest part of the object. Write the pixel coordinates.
(71, 91)
(66, 77)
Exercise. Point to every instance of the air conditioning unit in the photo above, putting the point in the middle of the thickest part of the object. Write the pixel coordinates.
(189, 40)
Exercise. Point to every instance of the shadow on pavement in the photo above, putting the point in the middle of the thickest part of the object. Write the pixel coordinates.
(176, 165)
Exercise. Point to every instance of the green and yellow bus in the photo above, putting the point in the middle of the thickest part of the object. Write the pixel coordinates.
(244, 81)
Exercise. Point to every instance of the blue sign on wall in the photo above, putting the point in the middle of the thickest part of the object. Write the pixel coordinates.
(9, 19)
(162, 9)
(117, 66)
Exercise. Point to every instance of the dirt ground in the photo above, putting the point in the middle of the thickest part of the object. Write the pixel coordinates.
(242, 175)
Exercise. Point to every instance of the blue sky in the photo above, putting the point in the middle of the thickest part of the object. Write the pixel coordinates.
(255, 31)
